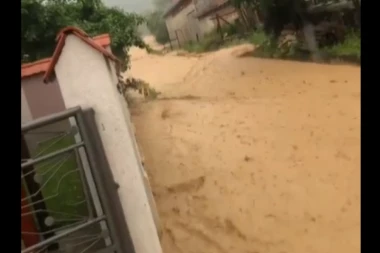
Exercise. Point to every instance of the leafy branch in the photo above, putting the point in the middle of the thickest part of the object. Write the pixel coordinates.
(43, 19)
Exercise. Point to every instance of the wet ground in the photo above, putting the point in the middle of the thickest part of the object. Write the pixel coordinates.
(247, 155)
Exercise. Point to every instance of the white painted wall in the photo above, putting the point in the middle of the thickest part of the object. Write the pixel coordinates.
(128, 121)
(26, 114)
(84, 79)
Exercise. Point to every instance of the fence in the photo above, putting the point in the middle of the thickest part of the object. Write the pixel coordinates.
(69, 200)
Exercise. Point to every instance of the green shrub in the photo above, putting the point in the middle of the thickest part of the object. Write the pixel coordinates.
(209, 42)
(157, 26)
(348, 50)
(230, 29)
(350, 47)
(258, 37)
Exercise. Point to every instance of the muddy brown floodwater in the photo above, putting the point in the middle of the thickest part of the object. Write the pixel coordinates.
(248, 155)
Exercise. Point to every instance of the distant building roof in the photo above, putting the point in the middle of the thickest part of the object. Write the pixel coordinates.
(174, 6)
(41, 66)
(212, 8)
(61, 38)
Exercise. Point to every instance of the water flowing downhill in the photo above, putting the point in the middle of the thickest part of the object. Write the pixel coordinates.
(249, 155)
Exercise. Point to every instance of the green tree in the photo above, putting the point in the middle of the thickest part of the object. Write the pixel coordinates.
(278, 13)
(157, 26)
(43, 19)
(155, 21)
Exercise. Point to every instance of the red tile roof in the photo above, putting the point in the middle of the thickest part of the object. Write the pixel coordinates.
(103, 40)
(34, 68)
(41, 66)
(61, 37)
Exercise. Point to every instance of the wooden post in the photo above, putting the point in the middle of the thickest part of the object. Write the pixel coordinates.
(225, 21)
(218, 27)
(357, 12)
(170, 43)
(256, 18)
(176, 35)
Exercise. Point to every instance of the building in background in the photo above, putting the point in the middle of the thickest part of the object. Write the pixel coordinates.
(191, 20)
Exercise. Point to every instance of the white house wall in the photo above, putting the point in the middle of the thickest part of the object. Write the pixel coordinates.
(38, 100)
(128, 121)
(85, 81)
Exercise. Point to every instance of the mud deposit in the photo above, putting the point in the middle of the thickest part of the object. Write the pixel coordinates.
(248, 155)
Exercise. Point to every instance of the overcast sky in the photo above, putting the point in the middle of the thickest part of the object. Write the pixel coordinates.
(130, 5)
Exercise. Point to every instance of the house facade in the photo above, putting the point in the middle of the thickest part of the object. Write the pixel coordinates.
(191, 20)
(87, 75)
(39, 99)
(82, 72)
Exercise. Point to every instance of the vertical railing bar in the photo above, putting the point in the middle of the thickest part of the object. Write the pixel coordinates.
(90, 182)
(84, 185)
(111, 186)
(95, 172)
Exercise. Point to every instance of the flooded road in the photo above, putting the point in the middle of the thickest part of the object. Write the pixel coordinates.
(247, 155)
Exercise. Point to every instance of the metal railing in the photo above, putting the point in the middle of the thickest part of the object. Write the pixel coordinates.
(69, 189)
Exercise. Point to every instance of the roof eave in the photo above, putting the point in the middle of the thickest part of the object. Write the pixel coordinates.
(61, 37)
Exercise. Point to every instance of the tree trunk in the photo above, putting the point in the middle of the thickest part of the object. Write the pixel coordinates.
(243, 18)
(308, 30)
(357, 12)
(311, 40)
(256, 18)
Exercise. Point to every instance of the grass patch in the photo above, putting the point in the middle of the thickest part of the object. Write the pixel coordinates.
(61, 182)
(210, 42)
(266, 47)
(350, 48)
(214, 40)
(258, 37)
